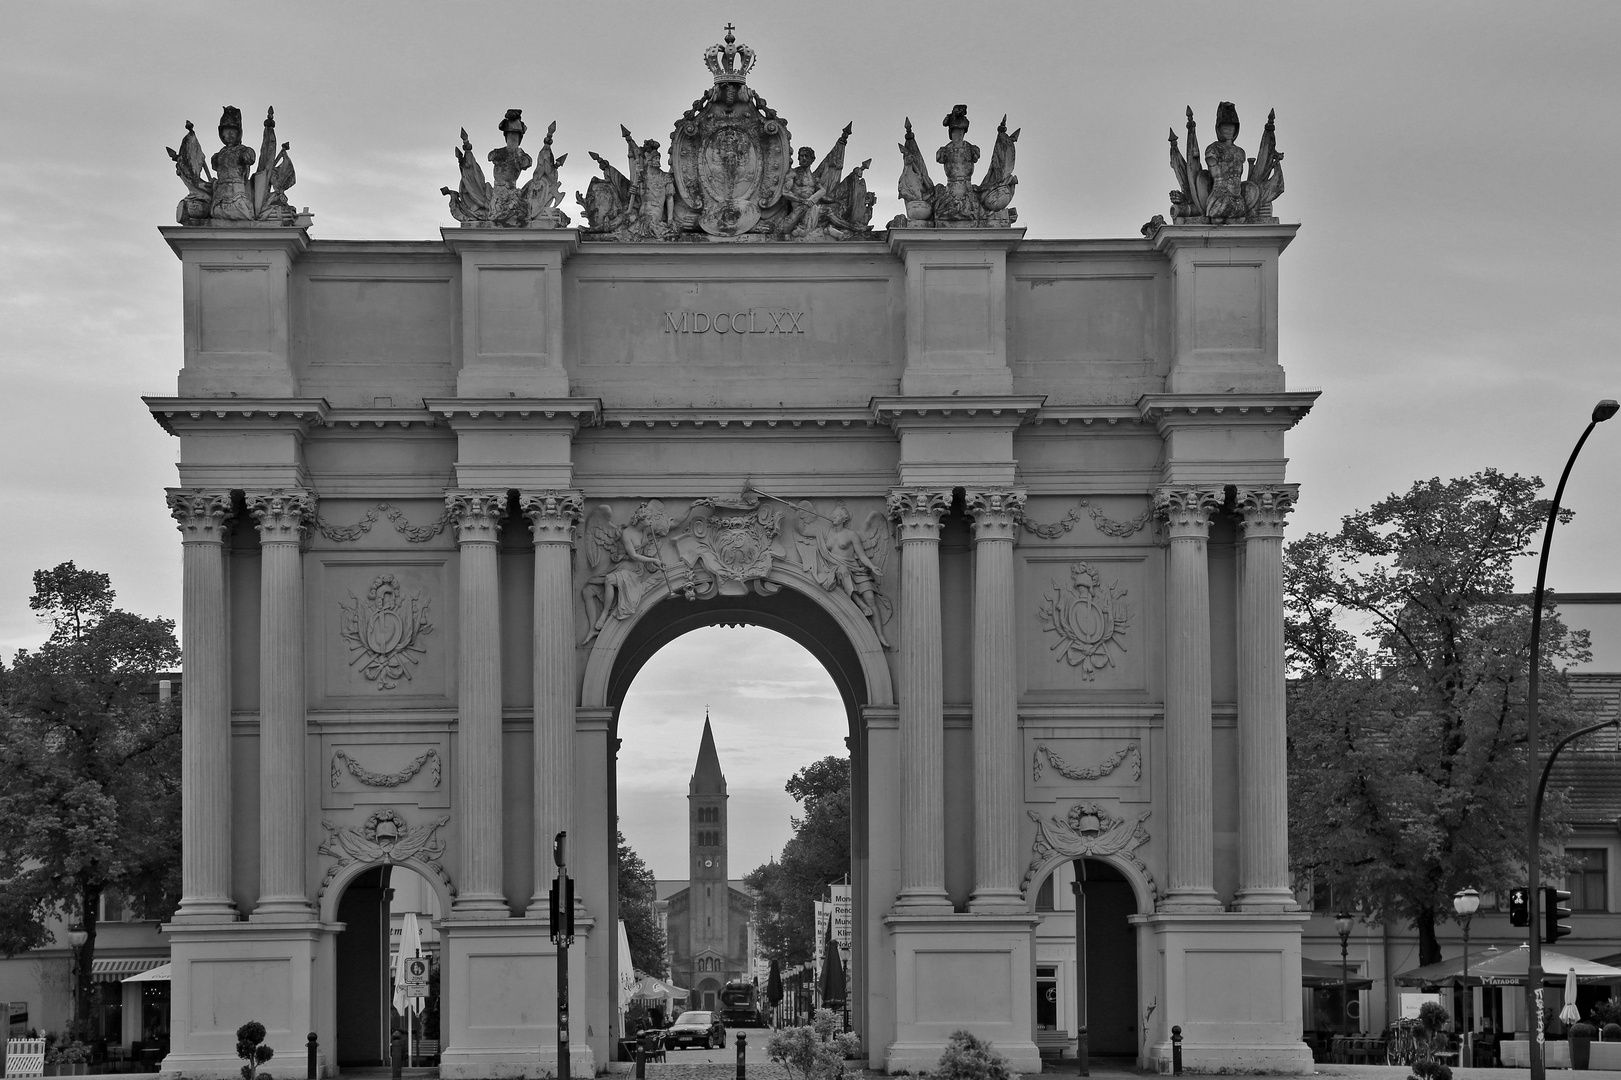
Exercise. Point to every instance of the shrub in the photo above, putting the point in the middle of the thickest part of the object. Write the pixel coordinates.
(1432, 1016)
(250, 1038)
(1612, 1032)
(75, 1053)
(1608, 1011)
(968, 1057)
(814, 1052)
(1430, 1069)
(1582, 1030)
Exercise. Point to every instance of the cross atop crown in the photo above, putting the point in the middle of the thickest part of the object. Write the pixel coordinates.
(729, 61)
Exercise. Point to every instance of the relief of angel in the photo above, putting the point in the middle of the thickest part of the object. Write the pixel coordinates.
(853, 562)
(619, 558)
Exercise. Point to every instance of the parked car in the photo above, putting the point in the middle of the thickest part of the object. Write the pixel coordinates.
(696, 1029)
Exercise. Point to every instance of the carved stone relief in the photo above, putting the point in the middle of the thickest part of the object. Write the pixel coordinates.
(1088, 619)
(416, 534)
(959, 202)
(1221, 193)
(230, 196)
(1106, 525)
(385, 838)
(477, 203)
(729, 546)
(384, 631)
(1088, 830)
(429, 759)
(1096, 772)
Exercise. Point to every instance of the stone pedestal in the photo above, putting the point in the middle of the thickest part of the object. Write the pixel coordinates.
(1232, 983)
(956, 309)
(512, 308)
(956, 972)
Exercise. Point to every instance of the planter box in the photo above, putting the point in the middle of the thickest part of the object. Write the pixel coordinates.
(1607, 1056)
(1556, 1055)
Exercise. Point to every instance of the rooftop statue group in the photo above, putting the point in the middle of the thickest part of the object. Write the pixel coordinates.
(731, 174)
(230, 195)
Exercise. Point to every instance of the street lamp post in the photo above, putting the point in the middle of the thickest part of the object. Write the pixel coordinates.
(1533, 840)
(1466, 902)
(1342, 925)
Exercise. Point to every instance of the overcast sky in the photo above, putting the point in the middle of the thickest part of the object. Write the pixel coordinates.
(1453, 289)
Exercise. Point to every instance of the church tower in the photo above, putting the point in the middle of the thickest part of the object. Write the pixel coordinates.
(709, 906)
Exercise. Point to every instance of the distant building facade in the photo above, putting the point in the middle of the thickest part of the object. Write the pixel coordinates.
(707, 917)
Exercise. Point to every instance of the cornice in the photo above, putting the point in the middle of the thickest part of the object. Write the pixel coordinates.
(903, 239)
(381, 418)
(1280, 411)
(990, 411)
(778, 417)
(1123, 417)
(184, 238)
(276, 414)
(460, 240)
(468, 413)
(1168, 238)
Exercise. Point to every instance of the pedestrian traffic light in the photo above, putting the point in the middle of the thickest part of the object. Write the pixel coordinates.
(1519, 907)
(1555, 906)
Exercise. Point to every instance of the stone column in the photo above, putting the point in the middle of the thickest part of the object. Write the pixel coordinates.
(1263, 787)
(1188, 756)
(281, 515)
(921, 695)
(205, 709)
(478, 516)
(996, 704)
(553, 517)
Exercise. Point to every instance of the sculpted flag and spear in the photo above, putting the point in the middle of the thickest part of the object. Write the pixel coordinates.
(1220, 193)
(230, 195)
(477, 202)
(959, 202)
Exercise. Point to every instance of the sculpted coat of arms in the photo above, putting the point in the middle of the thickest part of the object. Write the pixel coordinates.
(1088, 830)
(1088, 618)
(386, 837)
(384, 631)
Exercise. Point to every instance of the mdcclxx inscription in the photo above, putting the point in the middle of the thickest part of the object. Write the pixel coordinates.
(733, 322)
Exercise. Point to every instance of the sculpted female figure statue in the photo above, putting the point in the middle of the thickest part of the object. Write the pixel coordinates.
(231, 200)
(506, 208)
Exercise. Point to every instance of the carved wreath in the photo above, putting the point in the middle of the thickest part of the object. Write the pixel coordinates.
(429, 758)
(1106, 525)
(1089, 620)
(383, 631)
(385, 838)
(1102, 769)
(1088, 830)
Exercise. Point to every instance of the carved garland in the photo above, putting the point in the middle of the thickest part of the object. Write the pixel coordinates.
(1097, 772)
(1088, 830)
(429, 758)
(385, 838)
(416, 534)
(1104, 524)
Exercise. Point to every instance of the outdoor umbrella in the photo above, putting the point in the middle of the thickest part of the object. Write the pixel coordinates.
(1497, 967)
(832, 980)
(410, 949)
(1570, 1014)
(773, 985)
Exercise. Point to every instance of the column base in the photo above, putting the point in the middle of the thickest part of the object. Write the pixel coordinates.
(1265, 900)
(956, 972)
(210, 910)
(923, 902)
(998, 902)
(282, 909)
(1192, 900)
(473, 906)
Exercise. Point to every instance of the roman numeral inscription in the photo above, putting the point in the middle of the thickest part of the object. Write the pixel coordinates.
(733, 322)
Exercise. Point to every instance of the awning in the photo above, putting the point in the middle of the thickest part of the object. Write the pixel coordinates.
(157, 974)
(117, 969)
(1496, 967)
(1316, 975)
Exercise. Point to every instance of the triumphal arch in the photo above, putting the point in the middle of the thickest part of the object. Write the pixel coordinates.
(440, 500)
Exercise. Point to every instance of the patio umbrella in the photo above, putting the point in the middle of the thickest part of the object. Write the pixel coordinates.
(773, 985)
(1497, 967)
(1570, 1014)
(832, 980)
(410, 949)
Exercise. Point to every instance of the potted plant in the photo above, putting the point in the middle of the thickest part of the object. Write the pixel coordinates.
(1431, 1039)
(75, 1059)
(1606, 1054)
(250, 1047)
(1610, 1032)
(1581, 1043)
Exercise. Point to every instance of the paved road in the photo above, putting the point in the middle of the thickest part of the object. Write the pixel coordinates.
(728, 1056)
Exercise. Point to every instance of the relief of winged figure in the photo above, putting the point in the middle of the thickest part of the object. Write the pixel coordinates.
(620, 558)
(839, 557)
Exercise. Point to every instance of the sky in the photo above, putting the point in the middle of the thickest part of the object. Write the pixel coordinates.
(1452, 291)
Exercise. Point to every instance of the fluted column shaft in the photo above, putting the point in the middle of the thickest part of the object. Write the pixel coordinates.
(205, 709)
(921, 696)
(281, 516)
(478, 517)
(1188, 753)
(553, 517)
(996, 704)
(1263, 785)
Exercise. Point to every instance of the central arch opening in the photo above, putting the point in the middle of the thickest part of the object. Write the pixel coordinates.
(784, 686)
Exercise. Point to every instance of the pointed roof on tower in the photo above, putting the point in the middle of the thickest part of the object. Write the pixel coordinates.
(707, 779)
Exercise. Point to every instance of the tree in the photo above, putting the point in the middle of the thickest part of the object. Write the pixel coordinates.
(817, 856)
(637, 893)
(1407, 744)
(89, 768)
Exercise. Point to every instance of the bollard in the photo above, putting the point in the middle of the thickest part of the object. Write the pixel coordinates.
(641, 1059)
(1083, 1052)
(1176, 1050)
(396, 1052)
(742, 1048)
(309, 1064)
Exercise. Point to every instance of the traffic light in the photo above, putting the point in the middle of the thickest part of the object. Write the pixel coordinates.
(1555, 906)
(1519, 907)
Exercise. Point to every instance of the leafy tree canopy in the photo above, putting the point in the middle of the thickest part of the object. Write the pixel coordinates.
(637, 892)
(89, 767)
(817, 856)
(1407, 725)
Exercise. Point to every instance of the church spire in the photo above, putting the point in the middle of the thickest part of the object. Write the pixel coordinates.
(707, 779)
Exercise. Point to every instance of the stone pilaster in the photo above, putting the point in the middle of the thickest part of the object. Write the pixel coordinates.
(1188, 753)
(921, 695)
(205, 709)
(996, 704)
(1263, 788)
(282, 515)
(553, 517)
(477, 517)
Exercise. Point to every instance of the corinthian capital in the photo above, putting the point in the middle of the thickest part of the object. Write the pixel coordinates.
(1187, 510)
(201, 514)
(477, 515)
(996, 513)
(1265, 508)
(918, 512)
(553, 515)
(282, 514)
